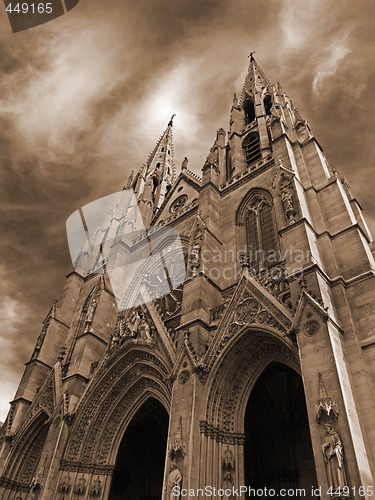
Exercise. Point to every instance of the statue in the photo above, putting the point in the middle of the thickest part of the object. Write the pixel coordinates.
(227, 486)
(96, 488)
(144, 330)
(228, 460)
(195, 254)
(288, 203)
(184, 163)
(91, 311)
(333, 450)
(174, 482)
(134, 323)
(287, 199)
(213, 157)
(235, 100)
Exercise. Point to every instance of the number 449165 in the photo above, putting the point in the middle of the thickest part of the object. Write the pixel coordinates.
(33, 8)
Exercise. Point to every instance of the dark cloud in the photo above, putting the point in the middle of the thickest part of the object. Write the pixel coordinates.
(84, 98)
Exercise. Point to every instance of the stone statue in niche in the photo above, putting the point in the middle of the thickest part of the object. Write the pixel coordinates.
(195, 254)
(80, 487)
(96, 488)
(134, 323)
(333, 453)
(91, 311)
(174, 482)
(65, 484)
(228, 460)
(227, 486)
(288, 204)
(145, 330)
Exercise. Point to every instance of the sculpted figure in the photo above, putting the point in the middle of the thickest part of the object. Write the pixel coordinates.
(333, 453)
(228, 460)
(195, 254)
(145, 331)
(287, 200)
(91, 311)
(174, 482)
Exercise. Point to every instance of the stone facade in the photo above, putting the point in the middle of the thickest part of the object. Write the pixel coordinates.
(259, 369)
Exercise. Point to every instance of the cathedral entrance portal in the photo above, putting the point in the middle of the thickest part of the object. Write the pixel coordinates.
(140, 461)
(278, 450)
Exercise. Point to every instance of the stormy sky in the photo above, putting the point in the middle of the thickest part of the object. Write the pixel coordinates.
(84, 98)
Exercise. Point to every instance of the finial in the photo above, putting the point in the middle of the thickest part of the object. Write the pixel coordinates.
(170, 124)
(250, 56)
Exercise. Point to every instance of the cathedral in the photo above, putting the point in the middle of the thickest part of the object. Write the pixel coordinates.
(215, 338)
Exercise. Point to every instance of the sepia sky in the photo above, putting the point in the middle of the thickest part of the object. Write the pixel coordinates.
(84, 98)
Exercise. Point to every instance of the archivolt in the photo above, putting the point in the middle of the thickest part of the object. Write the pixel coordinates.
(27, 450)
(110, 402)
(235, 373)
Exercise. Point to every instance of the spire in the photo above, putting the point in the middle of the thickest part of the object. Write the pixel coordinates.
(255, 81)
(157, 175)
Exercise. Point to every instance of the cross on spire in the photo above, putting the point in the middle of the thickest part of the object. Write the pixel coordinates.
(250, 56)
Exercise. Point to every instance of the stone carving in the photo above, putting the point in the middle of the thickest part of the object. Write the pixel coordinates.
(91, 310)
(174, 482)
(184, 163)
(227, 486)
(38, 480)
(178, 203)
(96, 488)
(235, 100)
(195, 258)
(212, 159)
(333, 453)
(326, 405)
(80, 487)
(178, 447)
(311, 328)
(41, 337)
(228, 463)
(65, 485)
(286, 190)
(184, 376)
(135, 326)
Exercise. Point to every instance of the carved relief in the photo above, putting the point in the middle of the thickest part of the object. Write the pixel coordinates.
(178, 203)
(177, 448)
(184, 376)
(326, 406)
(65, 485)
(80, 487)
(311, 327)
(96, 487)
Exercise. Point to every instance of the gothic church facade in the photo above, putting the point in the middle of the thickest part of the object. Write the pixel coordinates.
(257, 368)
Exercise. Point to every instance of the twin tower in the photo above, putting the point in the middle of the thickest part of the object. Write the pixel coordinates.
(216, 335)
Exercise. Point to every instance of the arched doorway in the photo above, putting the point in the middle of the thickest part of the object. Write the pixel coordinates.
(140, 460)
(278, 450)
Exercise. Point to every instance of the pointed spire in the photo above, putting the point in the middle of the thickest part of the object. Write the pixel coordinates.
(255, 81)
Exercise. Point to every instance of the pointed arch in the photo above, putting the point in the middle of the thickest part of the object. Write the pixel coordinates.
(115, 394)
(26, 452)
(251, 147)
(258, 236)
